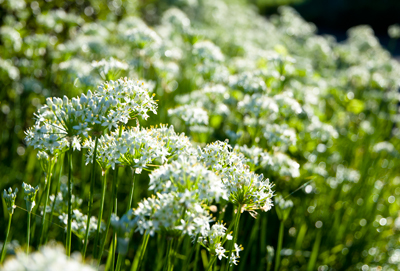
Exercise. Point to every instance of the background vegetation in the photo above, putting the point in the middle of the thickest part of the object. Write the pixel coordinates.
(337, 115)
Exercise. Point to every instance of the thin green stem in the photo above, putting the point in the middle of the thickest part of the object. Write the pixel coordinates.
(278, 251)
(109, 215)
(167, 260)
(91, 192)
(28, 233)
(143, 247)
(68, 242)
(119, 261)
(4, 249)
(46, 200)
(211, 263)
(114, 245)
(131, 192)
(189, 257)
(103, 193)
(196, 257)
(235, 233)
(55, 193)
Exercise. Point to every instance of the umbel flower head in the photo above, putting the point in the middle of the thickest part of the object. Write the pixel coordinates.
(244, 187)
(61, 121)
(9, 198)
(49, 257)
(174, 213)
(134, 147)
(30, 195)
(79, 222)
(187, 174)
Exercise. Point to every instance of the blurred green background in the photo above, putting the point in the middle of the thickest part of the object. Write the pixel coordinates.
(346, 219)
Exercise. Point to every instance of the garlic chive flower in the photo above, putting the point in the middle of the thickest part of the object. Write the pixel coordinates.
(187, 174)
(244, 187)
(60, 121)
(47, 162)
(131, 96)
(176, 144)
(108, 69)
(78, 224)
(283, 207)
(214, 239)
(135, 148)
(172, 213)
(30, 195)
(9, 197)
(49, 257)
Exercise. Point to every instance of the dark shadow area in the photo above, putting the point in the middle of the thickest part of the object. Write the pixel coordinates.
(335, 17)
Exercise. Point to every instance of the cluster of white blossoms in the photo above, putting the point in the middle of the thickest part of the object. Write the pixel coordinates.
(245, 188)
(214, 240)
(50, 257)
(186, 175)
(59, 201)
(174, 213)
(9, 197)
(30, 195)
(190, 114)
(79, 222)
(61, 121)
(135, 147)
(249, 82)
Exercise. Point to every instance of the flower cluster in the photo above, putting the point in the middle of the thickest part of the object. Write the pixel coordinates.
(50, 257)
(9, 197)
(30, 195)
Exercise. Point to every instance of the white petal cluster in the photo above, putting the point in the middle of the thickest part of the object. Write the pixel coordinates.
(176, 144)
(187, 174)
(79, 222)
(50, 257)
(9, 197)
(190, 114)
(61, 120)
(244, 187)
(135, 147)
(111, 65)
(30, 195)
(249, 82)
(174, 213)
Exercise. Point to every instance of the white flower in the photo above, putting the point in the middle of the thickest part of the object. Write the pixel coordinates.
(49, 257)
(220, 251)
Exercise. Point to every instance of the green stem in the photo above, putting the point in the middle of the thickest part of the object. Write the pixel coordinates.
(189, 257)
(46, 200)
(28, 233)
(235, 233)
(278, 251)
(167, 260)
(37, 211)
(119, 261)
(196, 257)
(91, 191)
(68, 245)
(100, 217)
(132, 190)
(109, 215)
(55, 194)
(211, 263)
(3, 251)
(114, 244)
(142, 251)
